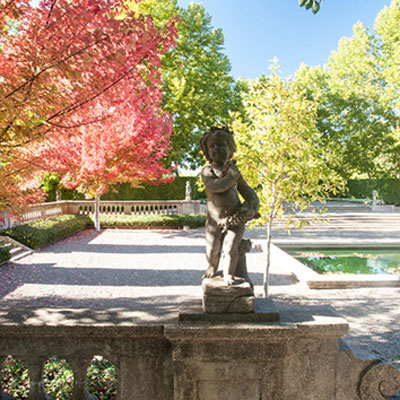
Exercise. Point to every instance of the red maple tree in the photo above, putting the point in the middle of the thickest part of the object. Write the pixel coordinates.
(81, 95)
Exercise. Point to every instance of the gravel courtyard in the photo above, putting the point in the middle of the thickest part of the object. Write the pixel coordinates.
(146, 276)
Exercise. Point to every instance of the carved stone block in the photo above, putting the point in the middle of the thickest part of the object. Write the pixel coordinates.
(221, 298)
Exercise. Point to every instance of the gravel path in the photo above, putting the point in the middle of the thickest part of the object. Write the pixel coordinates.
(145, 276)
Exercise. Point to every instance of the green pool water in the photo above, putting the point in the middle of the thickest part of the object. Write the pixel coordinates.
(350, 261)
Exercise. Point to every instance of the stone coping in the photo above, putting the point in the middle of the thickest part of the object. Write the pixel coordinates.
(61, 322)
(347, 281)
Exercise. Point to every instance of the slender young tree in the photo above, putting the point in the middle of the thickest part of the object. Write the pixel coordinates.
(280, 152)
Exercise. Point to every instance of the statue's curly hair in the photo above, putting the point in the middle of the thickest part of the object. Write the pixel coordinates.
(225, 132)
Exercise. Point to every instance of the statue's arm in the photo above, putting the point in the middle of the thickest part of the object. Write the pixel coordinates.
(248, 194)
(215, 184)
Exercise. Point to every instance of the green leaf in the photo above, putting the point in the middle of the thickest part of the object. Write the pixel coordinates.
(315, 7)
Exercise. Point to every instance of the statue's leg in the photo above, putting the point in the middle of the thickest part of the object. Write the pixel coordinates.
(231, 252)
(241, 266)
(214, 239)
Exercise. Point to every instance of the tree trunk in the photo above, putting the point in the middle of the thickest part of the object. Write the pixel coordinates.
(268, 253)
(97, 213)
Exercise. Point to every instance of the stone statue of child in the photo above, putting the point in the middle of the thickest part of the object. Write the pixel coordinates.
(226, 216)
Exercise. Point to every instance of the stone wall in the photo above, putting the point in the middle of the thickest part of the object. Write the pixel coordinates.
(301, 357)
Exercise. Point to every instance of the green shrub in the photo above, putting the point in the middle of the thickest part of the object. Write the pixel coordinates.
(15, 378)
(174, 190)
(388, 189)
(102, 379)
(4, 252)
(177, 220)
(44, 231)
(58, 378)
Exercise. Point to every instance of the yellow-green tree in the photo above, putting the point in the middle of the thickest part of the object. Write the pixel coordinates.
(359, 95)
(280, 152)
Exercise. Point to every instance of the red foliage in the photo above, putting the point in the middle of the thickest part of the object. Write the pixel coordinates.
(81, 95)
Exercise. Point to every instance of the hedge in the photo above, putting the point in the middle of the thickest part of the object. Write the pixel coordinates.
(144, 221)
(4, 252)
(45, 231)
(174, 190)
(388, 189)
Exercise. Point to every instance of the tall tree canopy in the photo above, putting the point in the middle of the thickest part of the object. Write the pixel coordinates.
(358, 92)
(198, 90)
(79, 86)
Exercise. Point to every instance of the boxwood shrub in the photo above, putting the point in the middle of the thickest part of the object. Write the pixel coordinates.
(44, 231)
(388, 189)
(143, 221)
(4, 252)
(174, 190)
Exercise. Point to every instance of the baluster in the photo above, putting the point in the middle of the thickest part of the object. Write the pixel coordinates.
(81, 392)
(35, 371)
(117, 367)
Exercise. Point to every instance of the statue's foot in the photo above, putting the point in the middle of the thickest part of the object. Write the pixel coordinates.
(210, 273)
(229, 280)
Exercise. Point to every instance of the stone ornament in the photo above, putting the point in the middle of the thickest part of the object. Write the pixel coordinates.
(379, 382)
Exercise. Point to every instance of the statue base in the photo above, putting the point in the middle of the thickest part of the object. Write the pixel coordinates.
(265, 312)
(218, 297)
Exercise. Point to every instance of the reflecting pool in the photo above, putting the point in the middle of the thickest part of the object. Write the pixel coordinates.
(350, 261)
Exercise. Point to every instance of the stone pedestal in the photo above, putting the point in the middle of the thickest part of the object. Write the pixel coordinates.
(301, 357)
(265, 312)
(221, 298)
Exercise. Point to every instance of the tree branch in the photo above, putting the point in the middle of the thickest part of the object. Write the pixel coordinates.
(50, 11)
(35, 76)
(78, 125)
(78, 105)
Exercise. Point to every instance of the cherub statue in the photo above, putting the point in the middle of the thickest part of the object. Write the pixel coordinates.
(226, 216)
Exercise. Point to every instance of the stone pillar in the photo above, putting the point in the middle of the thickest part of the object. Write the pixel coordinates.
(188, 191)
(80, 367)
(35, 370)
(226, 363)
(146, 370)
(374, 193)
(191, 207)
(277, 361)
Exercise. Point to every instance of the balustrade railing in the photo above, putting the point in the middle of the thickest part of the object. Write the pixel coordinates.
(184, 361)
(108, 207)
(139, 354)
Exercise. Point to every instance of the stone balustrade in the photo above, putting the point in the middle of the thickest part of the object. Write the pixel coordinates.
(301, 357)
(109, 207)
(141, 356)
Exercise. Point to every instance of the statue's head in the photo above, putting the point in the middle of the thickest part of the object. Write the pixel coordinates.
(217, 134)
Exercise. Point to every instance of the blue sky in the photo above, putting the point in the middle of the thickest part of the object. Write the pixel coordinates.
(258, 30)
